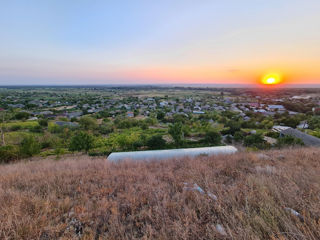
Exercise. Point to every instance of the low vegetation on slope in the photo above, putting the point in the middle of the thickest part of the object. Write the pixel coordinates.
(270, 195)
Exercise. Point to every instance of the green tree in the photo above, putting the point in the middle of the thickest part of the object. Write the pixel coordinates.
(8, 153)
(156, 142)
(43, 122)
(232, 126)
(290, 121)
(255, 140)
(22, 115)
(314, 123)
(176, 133)
(238, 136)
(81, 141)
(267, 124)
(88, 123)
(29, 146)
(212, 137)
(289, 141)
(160, 115)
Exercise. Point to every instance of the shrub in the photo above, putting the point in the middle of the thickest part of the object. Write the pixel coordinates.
(88, 123)
(255, 140)
(21, 115)
(105, 128)
(15, 127)
(289, 141)
(99, 152)
(36, 129)
(54, 128)
(272, 134)
(238, 136)
(156, 142)
(81, 141)
(29, 146)
(59, 151)
(43, 122)
(8, 153)
(176, 133)
(212, 137)
(160, 115)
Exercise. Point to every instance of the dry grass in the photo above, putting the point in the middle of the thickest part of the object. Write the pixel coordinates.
(91, 199)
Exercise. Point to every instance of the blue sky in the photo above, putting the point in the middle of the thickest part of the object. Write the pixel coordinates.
(112, 42)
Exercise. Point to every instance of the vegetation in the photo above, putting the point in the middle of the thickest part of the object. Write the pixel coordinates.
(101, 120)
(81, 141)
(251, 197)
(29, 146)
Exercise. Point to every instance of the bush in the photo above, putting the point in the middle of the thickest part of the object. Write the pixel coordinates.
(105, 128)
(212, 137)
(15, 127)
(54, 128)
(176, 133)
(88, 123)
(29, 146)
(289, 141)
(36, 129)
(8, 153)
(273, 134)
(156, 142)
(99, 152)
(59, 151)
(255, 140)
(238, 136)
(43, 122)
(160, 115)
(21, 115)
(81, 141)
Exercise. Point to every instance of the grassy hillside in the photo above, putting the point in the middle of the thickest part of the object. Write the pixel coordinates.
(270, 195)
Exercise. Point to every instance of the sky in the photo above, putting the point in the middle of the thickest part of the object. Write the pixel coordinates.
(158, 42)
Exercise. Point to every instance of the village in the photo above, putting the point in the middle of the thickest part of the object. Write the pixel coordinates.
(153, 117)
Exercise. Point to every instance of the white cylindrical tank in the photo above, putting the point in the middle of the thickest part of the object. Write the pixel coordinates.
(172, 153)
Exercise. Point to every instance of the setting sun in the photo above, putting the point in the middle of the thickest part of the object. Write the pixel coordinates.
(271, 79)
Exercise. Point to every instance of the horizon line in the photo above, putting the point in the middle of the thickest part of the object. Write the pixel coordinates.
(230, 85)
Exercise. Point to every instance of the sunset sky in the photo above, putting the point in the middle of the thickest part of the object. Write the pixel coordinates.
(161, 42)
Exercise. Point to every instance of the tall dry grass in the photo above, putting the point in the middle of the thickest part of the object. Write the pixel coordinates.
(92, 199)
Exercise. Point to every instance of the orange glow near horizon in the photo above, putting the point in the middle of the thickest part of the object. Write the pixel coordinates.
(271, 79)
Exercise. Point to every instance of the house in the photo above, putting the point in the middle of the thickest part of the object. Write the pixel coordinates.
(260, 111)
(33, 119)
(254, 105)
(293, 113)
(16, 105)
(46, 113)
(301, 97)
(198, 112)
(75, 114)
(163, 104)
(276, 108)
(130, 114)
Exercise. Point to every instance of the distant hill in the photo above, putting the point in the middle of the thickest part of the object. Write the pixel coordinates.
(263, 195)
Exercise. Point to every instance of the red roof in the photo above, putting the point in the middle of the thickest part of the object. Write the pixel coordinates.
(254, 105)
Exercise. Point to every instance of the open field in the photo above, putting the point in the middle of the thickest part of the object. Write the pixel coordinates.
(88, 198)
